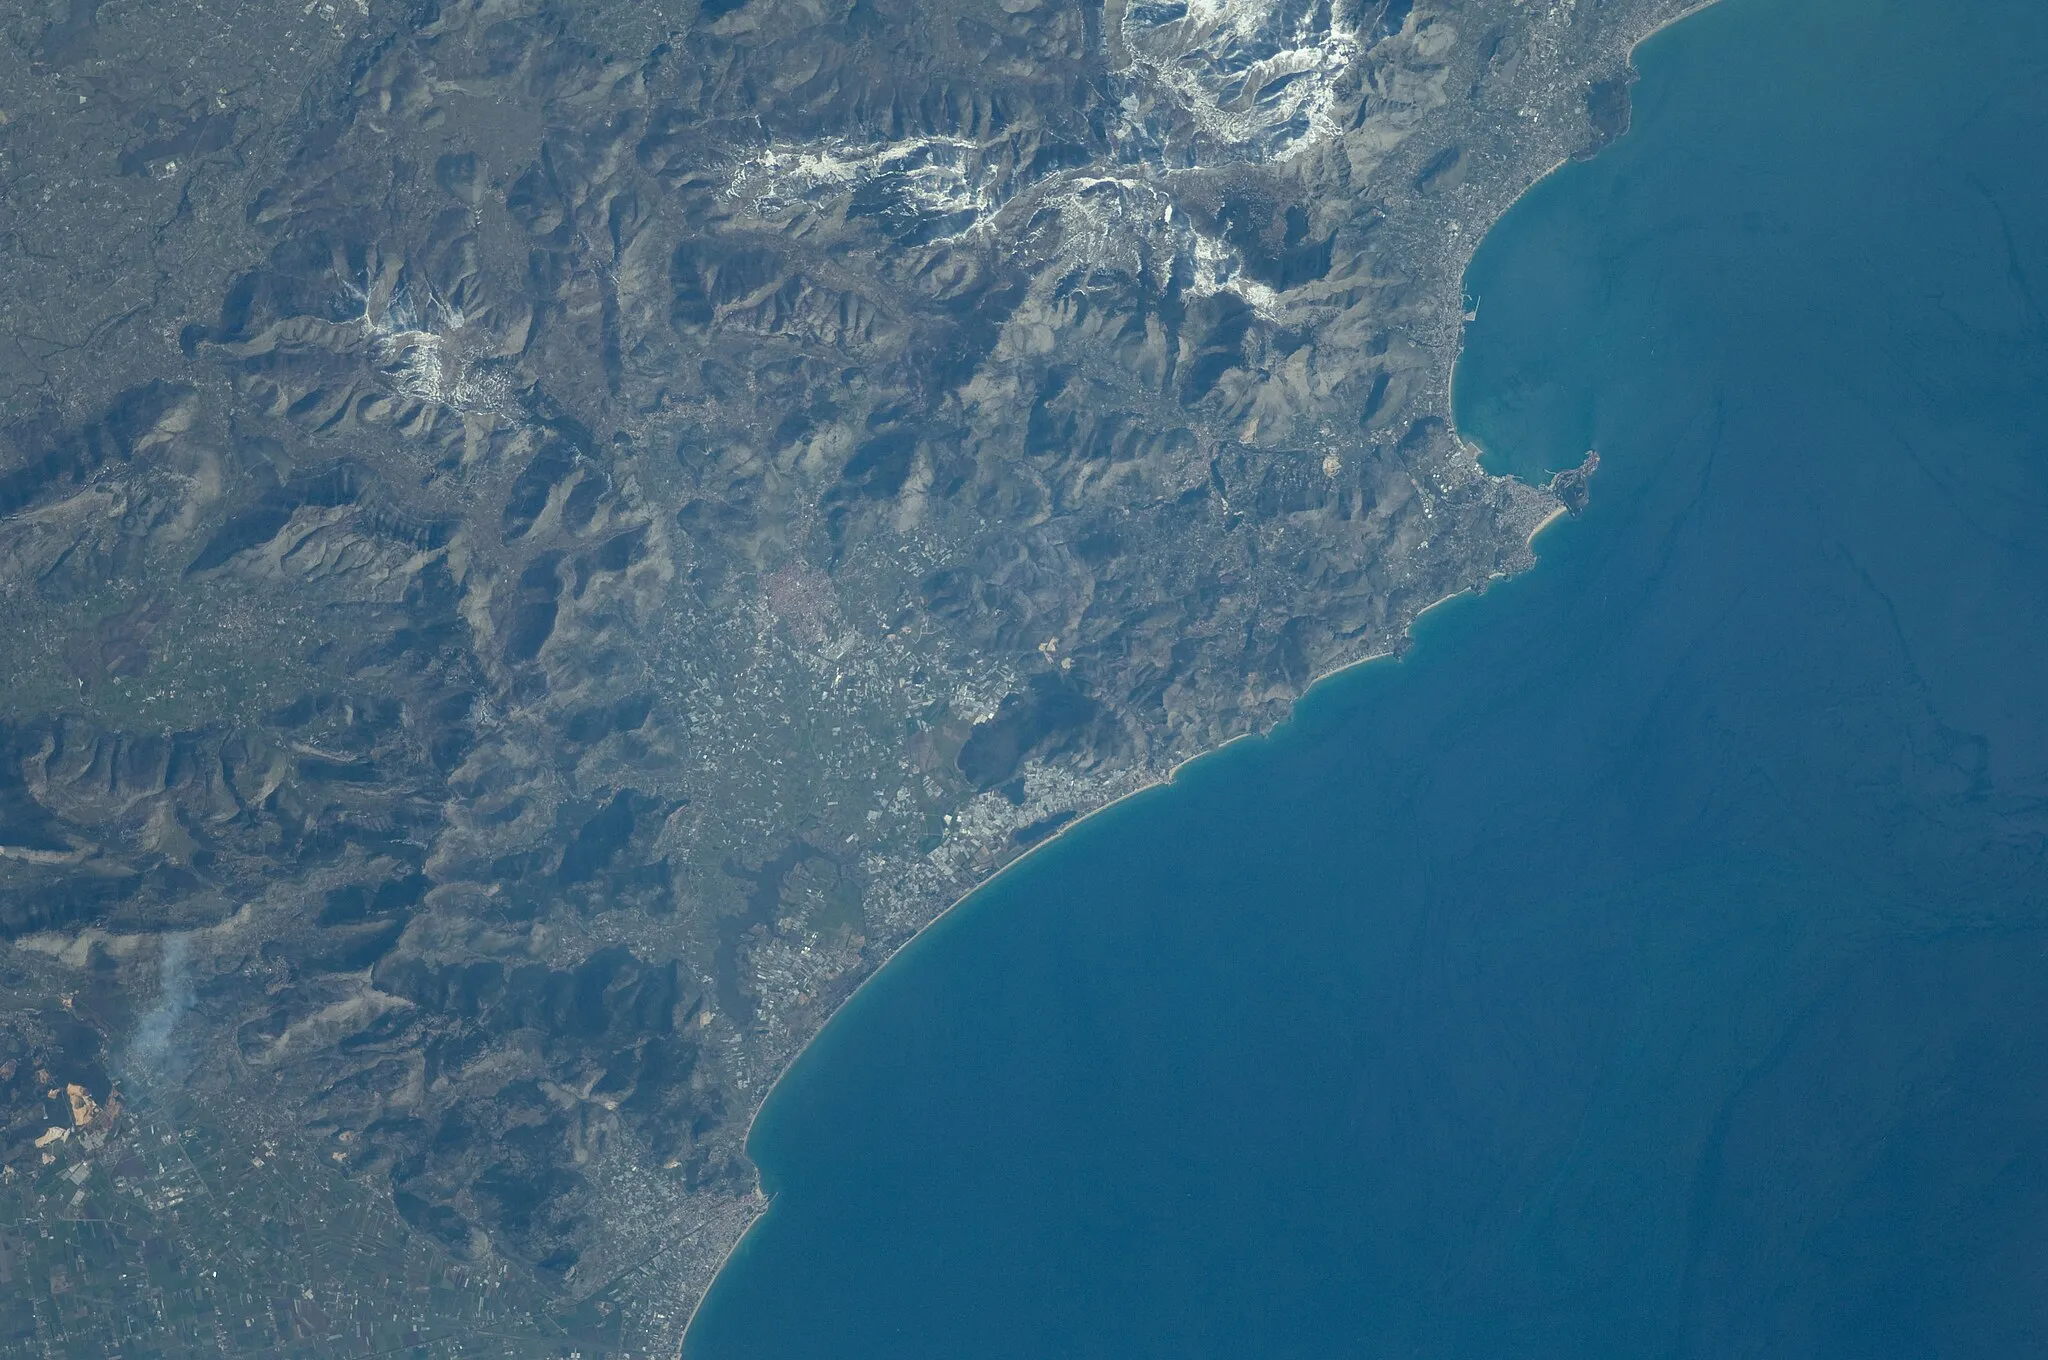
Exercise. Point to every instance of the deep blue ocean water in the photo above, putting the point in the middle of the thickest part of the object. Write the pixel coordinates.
(1655, 961)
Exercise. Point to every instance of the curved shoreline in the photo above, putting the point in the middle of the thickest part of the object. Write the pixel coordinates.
(764, 1199)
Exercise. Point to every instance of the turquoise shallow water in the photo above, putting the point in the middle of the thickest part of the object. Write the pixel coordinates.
(1655, 962)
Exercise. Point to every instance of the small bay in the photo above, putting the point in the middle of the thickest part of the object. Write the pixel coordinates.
(1655, 960)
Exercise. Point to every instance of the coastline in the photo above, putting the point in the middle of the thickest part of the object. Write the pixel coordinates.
(1544, 523)
(766, 1200)
(763, 1200)
(1451, 378)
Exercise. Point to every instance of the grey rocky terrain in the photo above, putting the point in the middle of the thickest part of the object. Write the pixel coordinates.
(539, 543)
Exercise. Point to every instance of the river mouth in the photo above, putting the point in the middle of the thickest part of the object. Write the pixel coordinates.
(1649, 961)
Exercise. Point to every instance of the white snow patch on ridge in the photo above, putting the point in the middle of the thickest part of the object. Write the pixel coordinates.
(1256, 76)
(925, 177)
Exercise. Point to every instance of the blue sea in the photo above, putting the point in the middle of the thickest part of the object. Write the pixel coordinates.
(1653, 962)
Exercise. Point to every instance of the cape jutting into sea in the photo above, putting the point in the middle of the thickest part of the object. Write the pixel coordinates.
(1655, 960)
